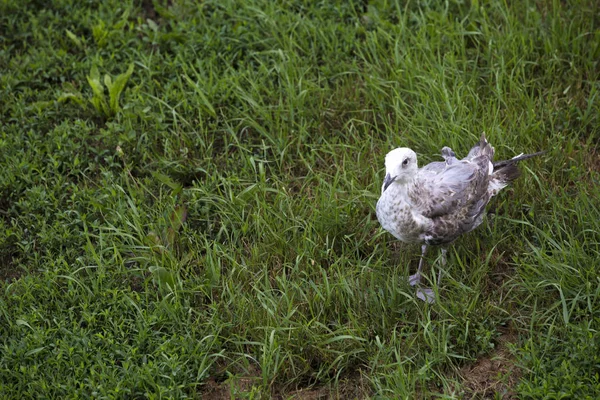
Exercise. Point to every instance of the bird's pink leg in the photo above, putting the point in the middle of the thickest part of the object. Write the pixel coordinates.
(427, 294)
(416, 278)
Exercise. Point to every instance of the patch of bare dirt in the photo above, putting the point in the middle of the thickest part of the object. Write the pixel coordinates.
(149, 9)
(352, 387)
(592, 158)
(217, 389)
(308, 394)
(10, 273)
(493, 376)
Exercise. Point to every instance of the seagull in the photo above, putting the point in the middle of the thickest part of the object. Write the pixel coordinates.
(441, 201)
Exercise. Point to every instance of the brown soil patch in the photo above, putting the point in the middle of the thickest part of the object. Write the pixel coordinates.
(215, 389)
(493, 376)
(10, 273)
(592, 158)
(353, 387)
(308, 394)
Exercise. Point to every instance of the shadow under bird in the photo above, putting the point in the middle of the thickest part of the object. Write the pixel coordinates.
(437, 203)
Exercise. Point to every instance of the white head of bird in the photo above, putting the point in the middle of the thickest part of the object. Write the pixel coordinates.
(400, 165)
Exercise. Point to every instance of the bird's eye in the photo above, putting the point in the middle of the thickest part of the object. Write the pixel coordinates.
(405, 162)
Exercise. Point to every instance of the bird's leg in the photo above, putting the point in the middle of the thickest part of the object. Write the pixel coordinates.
(427, 294)
(443, 262)
(416, 278)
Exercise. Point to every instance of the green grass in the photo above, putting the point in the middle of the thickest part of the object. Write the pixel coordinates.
(206, 226)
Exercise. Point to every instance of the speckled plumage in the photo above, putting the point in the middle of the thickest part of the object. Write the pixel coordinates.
(437, 203)
(442, 200)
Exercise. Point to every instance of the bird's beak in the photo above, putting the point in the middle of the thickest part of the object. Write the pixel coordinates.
(387, 181)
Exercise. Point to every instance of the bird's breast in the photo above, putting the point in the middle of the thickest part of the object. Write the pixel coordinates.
(398, 218)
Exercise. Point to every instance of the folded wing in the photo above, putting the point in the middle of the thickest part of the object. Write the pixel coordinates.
(453, 195)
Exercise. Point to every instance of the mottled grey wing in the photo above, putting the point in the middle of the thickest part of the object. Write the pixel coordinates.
(442, 188)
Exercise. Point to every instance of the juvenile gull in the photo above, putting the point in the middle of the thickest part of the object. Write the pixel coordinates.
(437, 203)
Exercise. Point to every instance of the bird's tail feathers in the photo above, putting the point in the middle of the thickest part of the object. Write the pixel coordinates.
(502, 177)
(507, 171)
(516, 159)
